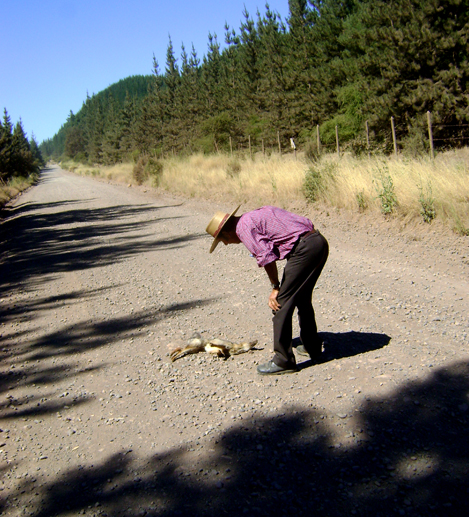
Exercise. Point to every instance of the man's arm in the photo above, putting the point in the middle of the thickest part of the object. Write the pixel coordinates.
(272, 273)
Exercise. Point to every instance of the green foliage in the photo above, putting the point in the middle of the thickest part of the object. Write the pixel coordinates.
(74, 142)
(316, 178)
(331, 62)
(415, 143)
(385, 191)
(427, 203)
(138, 171)
(361, 201)
(18, 156)
(147, 167)
(257, 127)
(349, 119)
(154, 170)
(217, 130)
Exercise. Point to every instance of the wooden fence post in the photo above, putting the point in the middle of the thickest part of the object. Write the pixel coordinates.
(337, 140)
(318, 139)
(263, 148)
(367, 138)
(278, 140)
(231, 147)
(430, 134)
(293, 146)
(393, 129)
(250, 151)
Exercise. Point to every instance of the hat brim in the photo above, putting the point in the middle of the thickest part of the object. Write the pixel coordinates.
(217, 240)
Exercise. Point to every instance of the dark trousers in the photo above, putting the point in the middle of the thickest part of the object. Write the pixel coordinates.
(300, 275)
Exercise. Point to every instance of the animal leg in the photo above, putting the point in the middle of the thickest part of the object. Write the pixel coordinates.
(181, 352)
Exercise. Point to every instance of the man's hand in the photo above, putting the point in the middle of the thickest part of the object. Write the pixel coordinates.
(273, 303)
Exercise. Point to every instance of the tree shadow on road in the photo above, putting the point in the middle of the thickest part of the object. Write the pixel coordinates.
(29, 366)
(35, 243)
(403, 454)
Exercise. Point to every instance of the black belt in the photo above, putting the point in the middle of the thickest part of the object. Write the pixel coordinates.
(302, 236)
(307, 233)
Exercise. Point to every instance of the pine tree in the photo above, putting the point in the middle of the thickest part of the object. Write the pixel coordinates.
(190, 97)
(6, 147)
(249, 65)
(74, 142)
(112, 131)
(23, 159)
(171, 108)
(38, 160)
(147, 130)
(273, 82)
(409, 57)
(128, 117)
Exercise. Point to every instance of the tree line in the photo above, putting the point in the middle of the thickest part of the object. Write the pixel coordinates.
(19, 157)
(332, 63)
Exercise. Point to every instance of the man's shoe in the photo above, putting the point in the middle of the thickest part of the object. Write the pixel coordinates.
(270, 368)
(301, 350)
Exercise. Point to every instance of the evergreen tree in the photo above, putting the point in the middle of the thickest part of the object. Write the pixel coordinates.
(128, 117)
(6, 147)
(38, 160)
(190, 97)
(112, 132)
(74, 142)
(148, 127)
(274, 82)
(171, 107)
(409, 57)
(22, 158)
(249, 78)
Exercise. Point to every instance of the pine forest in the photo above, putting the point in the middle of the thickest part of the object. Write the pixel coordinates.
(332, 67)
(19, 157)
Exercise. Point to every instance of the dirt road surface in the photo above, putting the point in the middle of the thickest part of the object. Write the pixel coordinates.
(97, 280)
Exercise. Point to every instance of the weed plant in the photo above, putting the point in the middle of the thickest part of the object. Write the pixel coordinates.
(426, 200)
(386, 192)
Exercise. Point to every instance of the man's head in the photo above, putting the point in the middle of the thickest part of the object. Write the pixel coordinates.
(222, 228)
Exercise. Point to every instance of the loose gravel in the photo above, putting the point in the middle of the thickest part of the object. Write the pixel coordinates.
(99, 282)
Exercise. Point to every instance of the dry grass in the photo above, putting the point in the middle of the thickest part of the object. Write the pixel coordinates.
(121, 172)
(442, 183)
(348, 182)
(13, 187)
(261, 180)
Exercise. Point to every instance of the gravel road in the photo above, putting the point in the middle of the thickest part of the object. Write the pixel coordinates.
(98, 282)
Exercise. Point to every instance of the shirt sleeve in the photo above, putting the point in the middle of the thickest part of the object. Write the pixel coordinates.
(260, 246)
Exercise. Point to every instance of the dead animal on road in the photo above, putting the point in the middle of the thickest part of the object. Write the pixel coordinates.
(218, 347)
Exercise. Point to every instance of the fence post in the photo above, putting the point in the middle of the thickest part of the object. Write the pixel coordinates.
(430, 134)
(231, 147)
(318, 139)
(393, 129)
(250, 151)
(367, 138)
(263, 148)
(337, 140)
(293, 146)
(278, 140)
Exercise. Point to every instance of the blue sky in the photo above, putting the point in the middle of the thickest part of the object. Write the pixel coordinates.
(55, 51)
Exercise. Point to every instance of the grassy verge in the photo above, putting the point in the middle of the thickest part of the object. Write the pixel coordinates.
(407, 189)
(14, 186)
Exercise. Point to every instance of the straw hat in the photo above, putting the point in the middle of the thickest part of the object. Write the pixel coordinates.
(216, 225)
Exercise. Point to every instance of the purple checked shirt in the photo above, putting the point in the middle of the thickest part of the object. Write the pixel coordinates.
(270, 233)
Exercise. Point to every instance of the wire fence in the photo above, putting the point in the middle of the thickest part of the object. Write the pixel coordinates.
(437, 136)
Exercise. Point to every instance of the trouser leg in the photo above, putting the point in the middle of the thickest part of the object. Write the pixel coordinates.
(300, 276)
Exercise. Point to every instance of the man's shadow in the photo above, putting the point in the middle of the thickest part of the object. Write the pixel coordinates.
(344, 344)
